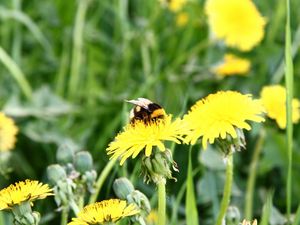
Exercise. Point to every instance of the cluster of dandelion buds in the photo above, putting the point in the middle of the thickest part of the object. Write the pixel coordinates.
(72, 177)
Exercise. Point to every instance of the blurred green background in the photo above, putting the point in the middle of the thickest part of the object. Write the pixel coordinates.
(82, 59)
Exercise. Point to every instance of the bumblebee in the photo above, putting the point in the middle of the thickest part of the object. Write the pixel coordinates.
(146, 111)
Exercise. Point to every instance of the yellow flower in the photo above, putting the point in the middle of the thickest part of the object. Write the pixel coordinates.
(182, 19)
(8, 132)
(152, 218)
(138, 136)
(274, 99)
(237, 22)
(245, 222)
(232, 65)
(28, 190)
(105, 211)
(220, 114)
(174, 5)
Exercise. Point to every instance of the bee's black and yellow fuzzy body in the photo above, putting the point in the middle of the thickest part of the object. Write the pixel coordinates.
(146, 111)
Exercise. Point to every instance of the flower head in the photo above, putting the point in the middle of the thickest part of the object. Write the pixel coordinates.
(245, 222)
(232, 65)
(237, 22)
(182, 19)
(105, 211)
(139, 136)
(152, 218)
(220, 114)
(174, 5)
(274, 99)
(28, 190)
(8, 131)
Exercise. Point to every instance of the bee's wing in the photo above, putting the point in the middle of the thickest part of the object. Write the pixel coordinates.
(142, 102)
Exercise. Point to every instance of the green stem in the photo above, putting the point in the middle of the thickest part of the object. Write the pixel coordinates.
(2, 218)
(15, 72)
(74, 207)
(161, 202)
(289, 81)
(252, 176)
(77, 47)
(227, 189)
(64, 216)
(101, 180)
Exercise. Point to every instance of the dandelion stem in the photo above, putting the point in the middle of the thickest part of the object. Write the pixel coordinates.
(64, 216)
(161, 202)
(74, 207)
(252, 176)
(227, 189)
(2, 219)
(101, 180)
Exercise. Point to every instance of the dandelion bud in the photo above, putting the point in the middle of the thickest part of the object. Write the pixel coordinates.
(141, 201)
(83, 162)
(232, 215)
(55, 173)
(65, 153)
(23, 214)
(123, 187)
(89, 178)
(158, 167)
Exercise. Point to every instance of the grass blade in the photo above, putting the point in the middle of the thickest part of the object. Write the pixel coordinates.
(191, 206)
(267, 210)
(15, 72)
(24, 19)
(289, 96)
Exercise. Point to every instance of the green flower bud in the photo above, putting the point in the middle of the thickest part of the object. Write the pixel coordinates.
(65, 153)
(23, 214)
(83, 162)
(232, 215)
(158, 167)
(55, 173)
(89, 178)
(123, 187)
(141, 201)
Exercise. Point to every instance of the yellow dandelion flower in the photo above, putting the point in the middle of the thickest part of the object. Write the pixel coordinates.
(219, 114)
(28, 190)
(174, 5)
(139, 135)
(237, 22)
(245, 222)
(274, 99)
(152, 218)
(104, 212)
(8, 132)
(182, 19)
(232, 65)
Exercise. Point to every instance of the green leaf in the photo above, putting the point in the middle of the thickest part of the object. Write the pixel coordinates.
(297, 217)
(191, 206)
(267, 210)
